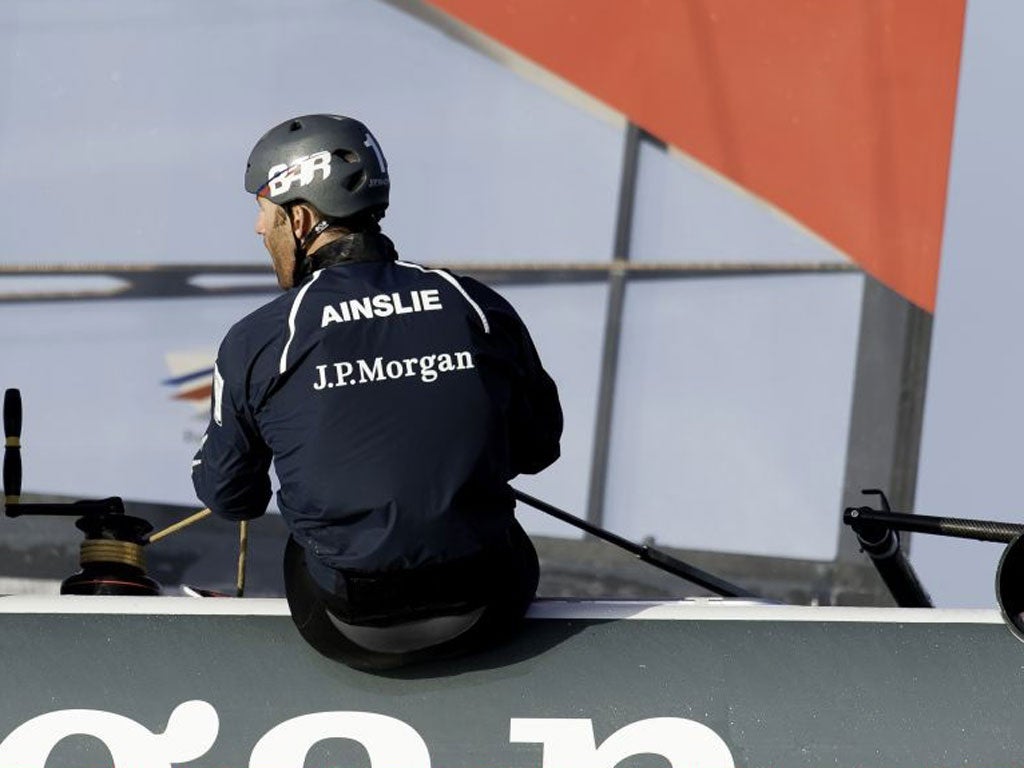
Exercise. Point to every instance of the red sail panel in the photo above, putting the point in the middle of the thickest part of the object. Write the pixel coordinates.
(839, 113)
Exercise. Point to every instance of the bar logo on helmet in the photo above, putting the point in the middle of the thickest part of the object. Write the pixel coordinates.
(303, 170)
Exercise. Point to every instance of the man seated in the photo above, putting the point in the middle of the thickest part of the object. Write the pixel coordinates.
(396, 402)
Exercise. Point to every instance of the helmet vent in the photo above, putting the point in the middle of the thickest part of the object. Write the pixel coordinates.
(355, 181)
(295, 126)
(347, 155)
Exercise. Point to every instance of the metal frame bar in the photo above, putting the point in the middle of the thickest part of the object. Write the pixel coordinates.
(176, 281)
(613, 326)
(886, 412)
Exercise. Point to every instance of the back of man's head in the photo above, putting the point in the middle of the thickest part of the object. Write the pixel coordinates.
(331, 162)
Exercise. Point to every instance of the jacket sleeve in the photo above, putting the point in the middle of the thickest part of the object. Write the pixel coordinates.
(230, 470)
(535, 414)
(536, 419)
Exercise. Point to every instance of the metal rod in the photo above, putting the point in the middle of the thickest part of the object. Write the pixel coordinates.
(613, 325)
(882, 544)
(696, 268)
(961, 528)
(655, 557)
(85, 508)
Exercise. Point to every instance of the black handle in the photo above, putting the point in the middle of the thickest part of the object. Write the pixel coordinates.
(12, 446)
(12, 413)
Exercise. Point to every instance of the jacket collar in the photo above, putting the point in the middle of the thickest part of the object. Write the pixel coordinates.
(359, 246)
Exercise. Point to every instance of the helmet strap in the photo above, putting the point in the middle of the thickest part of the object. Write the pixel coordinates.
(301, 270)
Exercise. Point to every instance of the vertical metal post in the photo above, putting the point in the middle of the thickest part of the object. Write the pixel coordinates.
(886, 417)
(613, 325)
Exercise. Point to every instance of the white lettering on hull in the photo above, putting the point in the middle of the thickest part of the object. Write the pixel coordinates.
(193, 727)
(570, 742)
(191, 731)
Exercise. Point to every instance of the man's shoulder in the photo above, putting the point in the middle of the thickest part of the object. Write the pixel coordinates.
(268, 317)
(492, 302)
(260, 327)
(482, 294)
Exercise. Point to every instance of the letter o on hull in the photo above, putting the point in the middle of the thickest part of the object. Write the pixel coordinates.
(390, 743)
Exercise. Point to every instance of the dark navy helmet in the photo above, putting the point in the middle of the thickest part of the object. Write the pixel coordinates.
(331, 162)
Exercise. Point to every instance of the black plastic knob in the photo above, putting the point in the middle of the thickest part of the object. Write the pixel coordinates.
(12, 444)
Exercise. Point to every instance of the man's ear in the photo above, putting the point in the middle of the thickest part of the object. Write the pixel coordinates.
(302, 220)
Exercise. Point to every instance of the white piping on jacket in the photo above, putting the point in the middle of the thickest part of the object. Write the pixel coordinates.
(456, 284)
(291, 319)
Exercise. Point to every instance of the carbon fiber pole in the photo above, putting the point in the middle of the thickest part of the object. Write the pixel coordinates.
(957, 527)
(655, 557)
(877, 533)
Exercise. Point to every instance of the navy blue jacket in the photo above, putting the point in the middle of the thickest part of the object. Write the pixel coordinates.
(396, 402)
